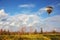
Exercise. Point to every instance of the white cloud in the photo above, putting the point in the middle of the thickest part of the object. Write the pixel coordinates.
(2, 12)
(3, 15)
(41, 11)
(27, 5)
(54, 19)
(52, 23)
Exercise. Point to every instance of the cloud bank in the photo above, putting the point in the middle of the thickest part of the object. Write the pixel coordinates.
(16, 22)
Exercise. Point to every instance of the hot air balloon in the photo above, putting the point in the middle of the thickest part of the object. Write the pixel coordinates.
(49, 9)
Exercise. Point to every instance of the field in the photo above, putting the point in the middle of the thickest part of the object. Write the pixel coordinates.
(31, 37)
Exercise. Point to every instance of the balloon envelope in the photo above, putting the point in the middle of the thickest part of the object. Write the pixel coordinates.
(49, 9)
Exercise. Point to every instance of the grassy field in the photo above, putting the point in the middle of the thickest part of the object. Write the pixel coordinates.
(31, 37)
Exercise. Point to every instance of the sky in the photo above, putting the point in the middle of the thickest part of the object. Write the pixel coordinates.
(29, 13)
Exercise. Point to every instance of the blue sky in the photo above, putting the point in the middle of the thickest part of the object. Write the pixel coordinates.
(17, 13)
(12, 6)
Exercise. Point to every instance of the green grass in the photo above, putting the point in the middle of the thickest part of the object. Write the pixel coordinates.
(31, 37)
